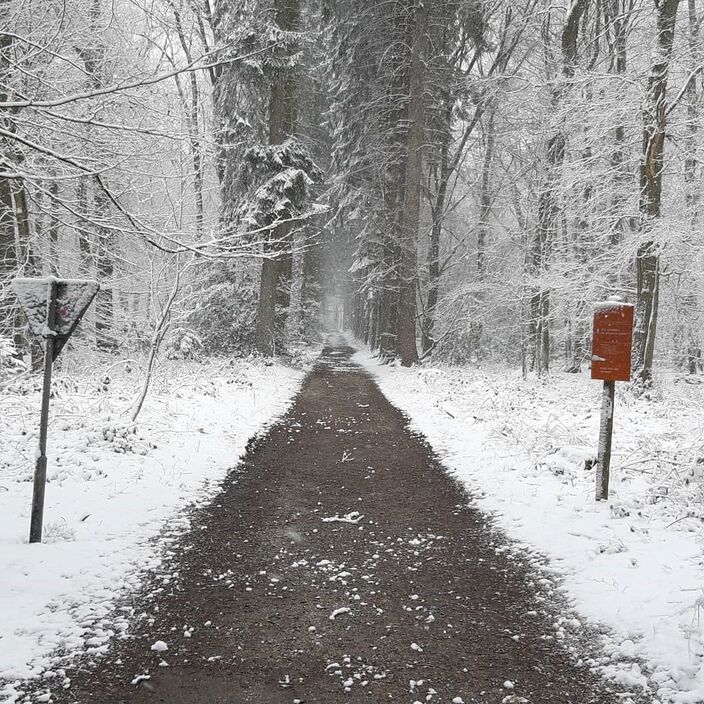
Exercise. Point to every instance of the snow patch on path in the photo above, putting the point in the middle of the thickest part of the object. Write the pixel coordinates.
(635, 563)
(112, 488)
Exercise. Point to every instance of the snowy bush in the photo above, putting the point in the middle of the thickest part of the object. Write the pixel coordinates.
(124, 439)
(58, 532)
(10, 364)
(184, 344)
(225, 319)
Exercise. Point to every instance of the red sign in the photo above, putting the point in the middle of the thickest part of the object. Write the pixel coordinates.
(611, 341)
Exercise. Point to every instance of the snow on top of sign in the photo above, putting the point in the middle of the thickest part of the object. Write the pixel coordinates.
(33, 294)
(74, 296)
(52, 279)
(611, 303)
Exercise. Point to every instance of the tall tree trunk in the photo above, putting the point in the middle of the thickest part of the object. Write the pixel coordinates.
(549, 198)
(105, 268)
(53, 229)
(282, 121)
(97, 207)
(82, 208)
(191, 108)
(485, 203)
(618, 16)
(406, 347)
(693, 195)
(438, 215)
(690, 334)
(652, 161)
(31, 267)
(293, 334)
(14, 215)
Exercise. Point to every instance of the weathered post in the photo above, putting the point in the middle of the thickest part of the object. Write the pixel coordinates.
(611, 361)
(53, 308)
(37, 519)
(606, 429)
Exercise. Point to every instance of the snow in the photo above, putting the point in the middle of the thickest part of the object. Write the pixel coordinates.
(634, 563)
(33, 295)
(73, 298)
(614, 303)
(351, 517)
(339, 612)
(113, 488)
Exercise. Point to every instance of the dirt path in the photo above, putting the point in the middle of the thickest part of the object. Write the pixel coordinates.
(341, 564)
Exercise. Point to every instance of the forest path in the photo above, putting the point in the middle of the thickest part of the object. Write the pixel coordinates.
(340, 563)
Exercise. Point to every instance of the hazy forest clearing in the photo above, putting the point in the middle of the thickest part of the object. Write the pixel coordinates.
(458, 185)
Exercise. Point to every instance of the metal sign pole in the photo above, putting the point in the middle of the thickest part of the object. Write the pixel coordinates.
(37, 519)
(606, 428)
(53, 318)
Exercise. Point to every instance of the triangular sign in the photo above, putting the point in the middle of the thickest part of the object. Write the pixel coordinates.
(71, 300)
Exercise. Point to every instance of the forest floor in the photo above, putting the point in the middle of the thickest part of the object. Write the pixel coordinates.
(340, 562)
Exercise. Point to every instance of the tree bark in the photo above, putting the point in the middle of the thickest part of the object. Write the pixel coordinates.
(618, 17)
(438, 216)
(14, 216)
(191, 109)
(93, 54)
(691, 336)
(485, 203)
(282, 121)
(406, 346)
(652, 161)
(549, 199)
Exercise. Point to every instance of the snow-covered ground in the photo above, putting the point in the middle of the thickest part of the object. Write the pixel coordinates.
(635, 563)
(112, 488)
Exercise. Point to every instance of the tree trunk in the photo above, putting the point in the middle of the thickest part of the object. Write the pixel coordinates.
(96, 207)
(191, 109)
(16, 253)
(652, 160)
(104, 306)
(406, 346)
(282, 121)
(10, 320)
(84, 248)
(485, 203)
(618, 19)
(266, 308)
(687, 336)
(294, 320)
(53, 229)
(438, 216)
(549, 199)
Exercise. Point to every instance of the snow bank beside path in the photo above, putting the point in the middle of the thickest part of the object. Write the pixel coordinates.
(634, 563)
(112, 487)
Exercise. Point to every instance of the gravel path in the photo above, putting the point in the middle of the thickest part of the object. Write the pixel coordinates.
(340, 563)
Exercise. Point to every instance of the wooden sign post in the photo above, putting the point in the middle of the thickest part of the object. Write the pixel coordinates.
(611, 361)
(53, 307)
